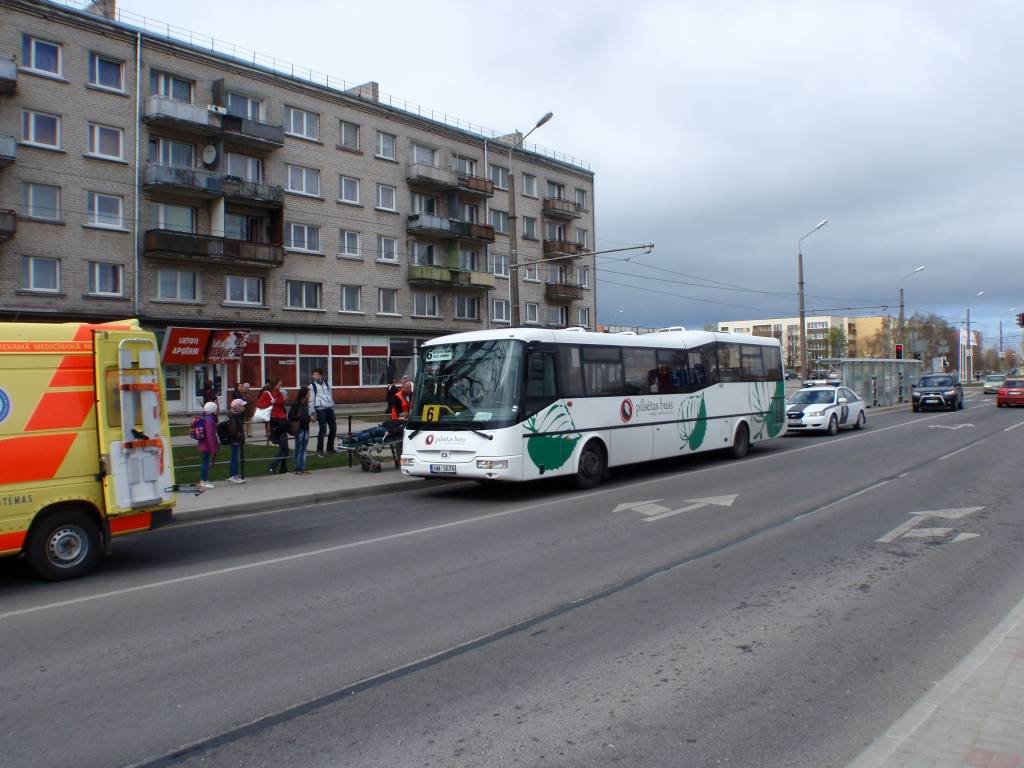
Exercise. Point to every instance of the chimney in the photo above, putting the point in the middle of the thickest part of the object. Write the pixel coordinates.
(369, 91)
(105, 8)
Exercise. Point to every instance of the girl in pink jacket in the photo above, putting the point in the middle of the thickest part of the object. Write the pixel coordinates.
(208, 445)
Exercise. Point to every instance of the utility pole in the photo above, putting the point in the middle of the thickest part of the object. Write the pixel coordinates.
(969, 355)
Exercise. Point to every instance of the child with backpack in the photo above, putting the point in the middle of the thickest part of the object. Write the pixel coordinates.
(204, 432)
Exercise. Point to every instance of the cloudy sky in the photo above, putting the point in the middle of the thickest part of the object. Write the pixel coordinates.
(722, 132)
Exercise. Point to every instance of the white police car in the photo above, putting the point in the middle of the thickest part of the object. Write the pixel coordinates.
(825, 408)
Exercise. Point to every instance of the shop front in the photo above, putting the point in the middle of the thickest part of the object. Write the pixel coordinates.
(198, 361)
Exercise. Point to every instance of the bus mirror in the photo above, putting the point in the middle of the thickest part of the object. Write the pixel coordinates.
(533, 346)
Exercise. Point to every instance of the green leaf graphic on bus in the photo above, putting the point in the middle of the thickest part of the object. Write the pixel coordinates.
(551, 451)
(767, 403)
(693, 425)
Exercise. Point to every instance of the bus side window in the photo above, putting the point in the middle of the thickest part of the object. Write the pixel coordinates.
(673, 375)
(570, 371)
(541, 389)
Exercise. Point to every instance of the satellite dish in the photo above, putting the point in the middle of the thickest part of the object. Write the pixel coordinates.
(209, 154)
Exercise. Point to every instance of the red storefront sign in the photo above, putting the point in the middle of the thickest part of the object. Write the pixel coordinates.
(227, 346)
(183, 346)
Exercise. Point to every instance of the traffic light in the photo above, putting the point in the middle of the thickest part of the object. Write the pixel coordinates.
(1020, 319)
(899, 351)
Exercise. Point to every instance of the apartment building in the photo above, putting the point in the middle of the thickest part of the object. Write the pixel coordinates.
(262, 223)
(859, 336)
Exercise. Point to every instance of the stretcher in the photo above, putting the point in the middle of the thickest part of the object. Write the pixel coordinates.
(372, 452)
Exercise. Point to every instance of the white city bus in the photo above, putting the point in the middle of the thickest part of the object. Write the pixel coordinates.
(521, 403)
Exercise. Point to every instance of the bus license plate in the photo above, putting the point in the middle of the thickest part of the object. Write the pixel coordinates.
(442, 469)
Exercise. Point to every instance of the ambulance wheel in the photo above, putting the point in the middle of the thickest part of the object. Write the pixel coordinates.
(64, 545)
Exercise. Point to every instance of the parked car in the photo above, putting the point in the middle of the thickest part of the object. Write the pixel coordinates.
(825, 408)
(823, 377)
(791, 375)
(937, 390)
(992, 383)
(1011, 392)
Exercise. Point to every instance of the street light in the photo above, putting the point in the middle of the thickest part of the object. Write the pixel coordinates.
(911, 274)
(513, 257)
(800, 278)
(1011, 310)
(966, 357)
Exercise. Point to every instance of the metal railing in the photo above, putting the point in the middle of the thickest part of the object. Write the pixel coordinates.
(197, 179)
(158, 107)
(167, 242)
(557, 206)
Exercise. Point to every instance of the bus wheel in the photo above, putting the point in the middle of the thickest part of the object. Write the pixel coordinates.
(64, 545)
(741, 443)
(592, 466)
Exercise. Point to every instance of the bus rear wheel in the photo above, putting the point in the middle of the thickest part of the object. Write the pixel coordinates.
(741, 442)
(592, 466)
(64, 545)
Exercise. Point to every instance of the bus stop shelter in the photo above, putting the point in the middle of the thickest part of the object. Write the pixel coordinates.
(880, 381)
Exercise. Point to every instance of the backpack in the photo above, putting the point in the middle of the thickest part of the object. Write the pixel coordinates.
(197, 429)
(224, 432)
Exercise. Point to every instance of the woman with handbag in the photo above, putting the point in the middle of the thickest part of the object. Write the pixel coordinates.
(273, 397)
(298, 425)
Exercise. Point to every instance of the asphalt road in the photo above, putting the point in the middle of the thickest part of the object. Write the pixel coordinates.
(788, 613)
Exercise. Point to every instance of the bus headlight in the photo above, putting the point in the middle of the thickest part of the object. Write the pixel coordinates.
(492, 463)
(407, 461)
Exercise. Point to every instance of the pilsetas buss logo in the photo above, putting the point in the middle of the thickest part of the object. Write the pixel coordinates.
(626, 410)
(430, 440)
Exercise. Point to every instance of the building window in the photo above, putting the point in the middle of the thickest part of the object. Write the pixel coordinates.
(177, 154)
(424, 304)
(302, 237)
(301, 294)
(531, 312)
(469, 213)
(348, 189)
(387, 301)
(239, 289)
(583, 277)
(40, 129)
(106, 72)
(499, 175)
(41, 273)
(554, 231)
(423, 203)
(245, 167)
(529, 185)
(40, 201)
(386, 144)
(299, 122)
(40, 55)
(386, 249)
(466, 165)
(531, 273)
(583, 316)
(351, 296)
(104, 279)
(302, 180)
(348, 243)
(469, 260)
(386, 197)
(556, 190)
(246, 107)
(106, 210)
(349, 133)
(499, 220)
(581, 198)
(177, 285)
(176, 218)
(466, 308)
(558, 315)
(422, 254)
(529, 228)
(581, 236)
(500, 310)
(106, 141)
(500, 264)
(424, 155)
(170, 87)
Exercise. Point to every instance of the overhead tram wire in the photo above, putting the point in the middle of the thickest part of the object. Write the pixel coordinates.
(693, 298)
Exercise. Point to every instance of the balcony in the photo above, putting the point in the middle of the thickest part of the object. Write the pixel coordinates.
(430, 225)
(472, 280)
(430, 176)
(252, 192)
(429, 275)
(186, 246)
(252, 134)
(8, 76)
(193, 182)
(8, 150)
(474, 185)
(479, 233)
(190, 118)
(8, 225)
(561, 248)
(557, 208)
(562, 292)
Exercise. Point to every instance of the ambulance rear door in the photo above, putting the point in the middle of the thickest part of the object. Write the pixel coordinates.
(131, 422)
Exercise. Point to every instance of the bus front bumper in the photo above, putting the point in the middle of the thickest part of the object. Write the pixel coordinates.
(479, 468)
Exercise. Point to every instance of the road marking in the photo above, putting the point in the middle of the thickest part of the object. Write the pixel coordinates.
(718, 501)
(965, 537)
(1018, 424)
(961, 450)
(906, 530)
(840, 501)
(650, 507)
(946, 426)
(926, 533)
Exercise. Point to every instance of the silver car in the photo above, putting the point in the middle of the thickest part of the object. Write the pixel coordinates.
(825, 408)
(993, 382)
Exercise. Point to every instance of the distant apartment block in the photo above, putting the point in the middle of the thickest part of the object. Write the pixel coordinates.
(855, 336)
(287, 223)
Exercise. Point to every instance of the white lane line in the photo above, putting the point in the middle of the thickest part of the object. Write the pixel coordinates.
(900, 529)
(961, 450)
(840, 501)
(1018, 424)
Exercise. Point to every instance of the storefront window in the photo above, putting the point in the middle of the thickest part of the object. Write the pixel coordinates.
(282, 368)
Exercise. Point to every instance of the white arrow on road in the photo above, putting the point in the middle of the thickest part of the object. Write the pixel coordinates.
(906, 530)
(717, 501)
(650, 507)
(947, 426)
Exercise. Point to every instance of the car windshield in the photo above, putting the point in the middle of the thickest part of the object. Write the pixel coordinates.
(469, 385)
(994, 377)
(813, 397)
(936, 381)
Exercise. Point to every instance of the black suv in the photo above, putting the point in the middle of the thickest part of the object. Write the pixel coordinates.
(937, 390)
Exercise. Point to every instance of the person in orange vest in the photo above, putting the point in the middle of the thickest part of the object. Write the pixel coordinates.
(401, 403)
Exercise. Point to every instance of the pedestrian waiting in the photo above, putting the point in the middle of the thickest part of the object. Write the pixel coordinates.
(298, 420)
(322, 402)
(204, 432)
(236, 437)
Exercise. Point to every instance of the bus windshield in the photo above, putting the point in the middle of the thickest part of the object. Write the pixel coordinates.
(468, 385)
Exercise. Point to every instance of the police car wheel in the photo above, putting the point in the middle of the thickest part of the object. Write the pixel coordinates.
(64, 545)
(833, 425)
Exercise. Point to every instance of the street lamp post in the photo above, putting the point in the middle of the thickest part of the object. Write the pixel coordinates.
(1010, 310)
(911, 274)
(966, 356)
(800, 281)
(513, 256)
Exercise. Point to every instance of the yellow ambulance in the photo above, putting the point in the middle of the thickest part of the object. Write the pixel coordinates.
(85, 452)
